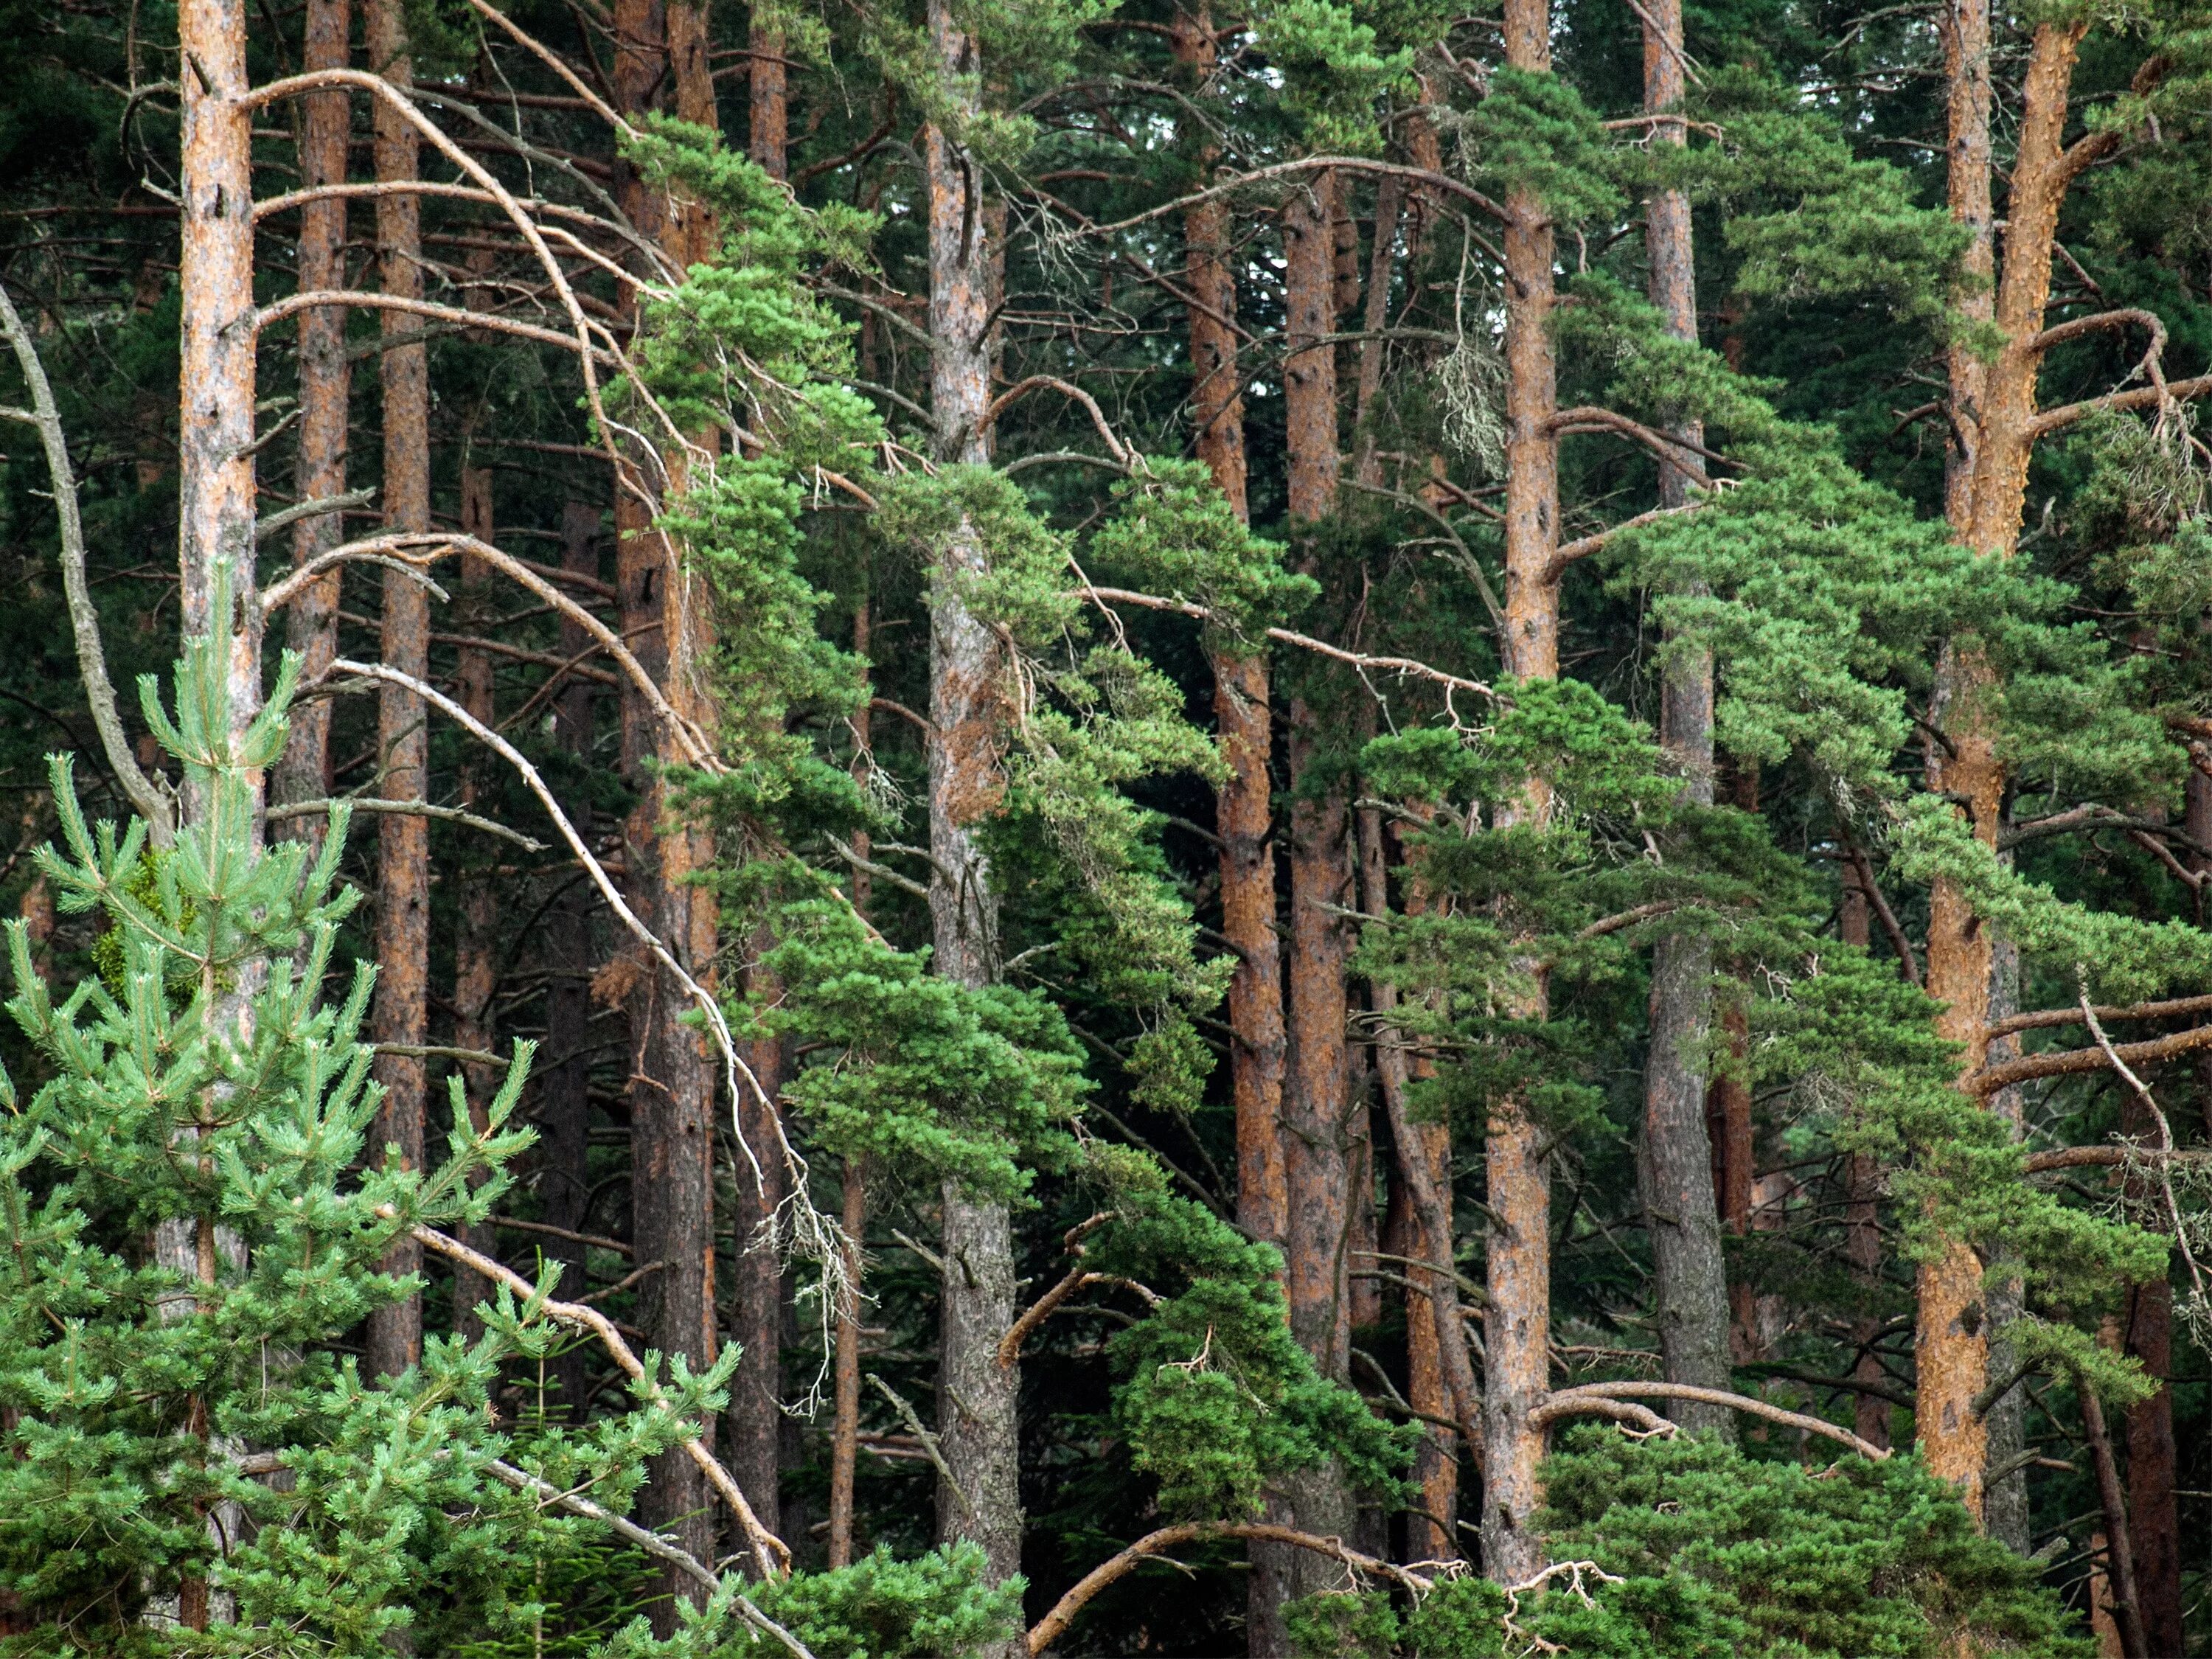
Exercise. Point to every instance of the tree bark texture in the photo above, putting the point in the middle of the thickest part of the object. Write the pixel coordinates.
(475, 942)
(754, 1421)
(326, 377)
(844, 1442)
(978, 1399)
(1690, 1276)
(403, 865)
(672, 1090)
(1518, 1321)
(1996, 404)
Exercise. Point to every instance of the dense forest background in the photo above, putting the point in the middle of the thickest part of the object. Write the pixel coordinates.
(881, 829)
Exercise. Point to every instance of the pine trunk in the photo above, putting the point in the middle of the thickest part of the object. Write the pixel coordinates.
(475, 943)
(978, 1399)
(1518, 1323)
(1690, 1278)
(326, 376)
(672, 1090)
(403, 863)
(2154, 1516)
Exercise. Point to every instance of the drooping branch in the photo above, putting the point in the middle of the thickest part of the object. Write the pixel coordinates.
(1907, 963)
(460, 317)
(1587, 417)
(2145, 396)
(146, 799)
(1566, 1403)
(768, 1550)
(1050, 1628)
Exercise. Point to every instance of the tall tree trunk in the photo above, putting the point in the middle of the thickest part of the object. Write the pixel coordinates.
(403, 863)
(1315, 1102)
(2155, 1525)
(671, 1093)
(325, 398)
(978, 1399)
(1690, 1276)
(1518, 1321)
(1243, 809)
(476, 944)
(565, 1102)
(1995, 404)
(754, 1421)
(215, 545)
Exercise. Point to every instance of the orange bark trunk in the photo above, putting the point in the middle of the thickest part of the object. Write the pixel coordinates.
(403, 873)
(325, 395)
(1517, 1323)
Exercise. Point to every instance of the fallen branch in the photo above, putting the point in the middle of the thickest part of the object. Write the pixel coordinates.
(148, 801)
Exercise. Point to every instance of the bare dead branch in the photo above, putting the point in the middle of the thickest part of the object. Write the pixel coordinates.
(1561, 1402)
(414, 809)
(2071, 1063)
(146, 799)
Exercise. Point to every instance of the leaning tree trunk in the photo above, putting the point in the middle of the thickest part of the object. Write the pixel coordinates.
(402, 862)
(1518, 1322)
(326, 377)
(978, 1399)
(1690, 1277)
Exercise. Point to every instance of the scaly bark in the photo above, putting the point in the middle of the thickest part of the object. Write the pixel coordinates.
(215, 549)
(978, 1424)
(1690, 1278)
(325, 396)
(671, 1092)
(768, 142)
(403, 863)
(1984, 492)
(845, 1435)
(1244, 808)
(1518, 1321)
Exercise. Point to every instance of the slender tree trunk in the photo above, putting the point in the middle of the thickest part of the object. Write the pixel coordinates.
(215, 547)
(1439, 1373)
(2119, 1555)
(326, 399)
(403, 865)
(1243, 809)
(671, 1092)
(978, 1420)
(564, 1105)
(1690, 1279)
(1518, 1321)
(476, 944)
(2155, 1525)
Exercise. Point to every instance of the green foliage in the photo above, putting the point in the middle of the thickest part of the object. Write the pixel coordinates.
(1174, 532)
(1216, 1398)
(1706, 1552)
(1534, 134)
(930, 1079)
